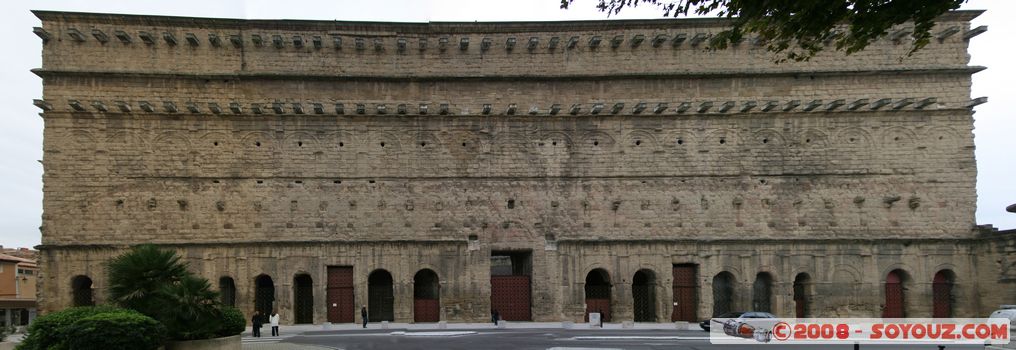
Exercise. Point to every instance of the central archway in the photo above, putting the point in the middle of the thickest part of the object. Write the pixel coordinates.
(264, 294)
(380, 297)
(303, 295)
(598, 294)
(426, 297)
(643, 291)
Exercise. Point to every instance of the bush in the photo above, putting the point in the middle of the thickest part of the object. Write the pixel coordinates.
(124, 329)
(233, 321)
(48, 332)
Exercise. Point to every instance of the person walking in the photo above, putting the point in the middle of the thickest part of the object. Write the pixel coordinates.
(274, 322)
(495, 316)
(363, 315)
(256, 322)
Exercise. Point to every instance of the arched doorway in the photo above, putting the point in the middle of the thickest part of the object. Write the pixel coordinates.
(942, 293)
(426, 297)
(894, 295)
(598, 294)
(802, 295)
(762, 292)
(264, 294)
(643, 292)
(380, 297)
(303, 299)
(227, 291)
(723, 293)
(81, 290)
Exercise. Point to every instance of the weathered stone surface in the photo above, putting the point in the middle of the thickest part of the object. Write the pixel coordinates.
(282, 159)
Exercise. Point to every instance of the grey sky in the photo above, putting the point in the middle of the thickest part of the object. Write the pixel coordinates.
(21, 134)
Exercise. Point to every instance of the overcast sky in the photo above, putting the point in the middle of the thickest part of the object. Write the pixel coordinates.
(21, 133)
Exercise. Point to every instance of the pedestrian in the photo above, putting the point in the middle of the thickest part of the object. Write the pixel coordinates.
(495, 316)
(274, 321)
(255, 322)
(363, 315)
(599, 311)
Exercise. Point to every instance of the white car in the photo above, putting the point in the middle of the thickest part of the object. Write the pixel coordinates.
(1006, 311)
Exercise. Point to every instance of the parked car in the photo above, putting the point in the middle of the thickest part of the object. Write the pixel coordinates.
(1006, 311)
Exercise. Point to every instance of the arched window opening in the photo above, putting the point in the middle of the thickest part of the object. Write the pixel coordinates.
(723, 293)
(802, 295)
(426, 297)
(81, 289)
(227, 291)
(643, 291)
(598, 294)
(942, 293)
(264, 294)
(762, 292)
(303, 295)
(380, 297)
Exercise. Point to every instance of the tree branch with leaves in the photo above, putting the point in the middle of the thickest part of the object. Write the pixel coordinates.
(799, 29)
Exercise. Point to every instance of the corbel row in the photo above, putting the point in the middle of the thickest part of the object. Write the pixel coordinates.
(704, 107)
(402, 44)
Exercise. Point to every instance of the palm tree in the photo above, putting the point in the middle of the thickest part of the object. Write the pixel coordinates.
(136, 277)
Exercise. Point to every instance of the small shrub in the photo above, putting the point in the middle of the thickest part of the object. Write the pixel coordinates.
(48, 332)
(124, 329)
(233, 321)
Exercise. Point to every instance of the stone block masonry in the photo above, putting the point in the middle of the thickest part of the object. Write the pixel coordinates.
(601, 164)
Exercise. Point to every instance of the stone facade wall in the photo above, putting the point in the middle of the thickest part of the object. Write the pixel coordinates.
(284, 160)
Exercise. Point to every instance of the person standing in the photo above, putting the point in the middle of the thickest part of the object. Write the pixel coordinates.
(363, 315)
(495, 316)
(274, 322)
(256, 322)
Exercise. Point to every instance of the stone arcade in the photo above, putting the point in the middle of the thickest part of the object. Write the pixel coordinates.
(439, 171)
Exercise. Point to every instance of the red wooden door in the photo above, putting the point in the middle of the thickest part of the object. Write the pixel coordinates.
(893, 296)
(510, 296)
(426, 310)
(598, 305)
(685, 294)
(941, 291)
(339, 294)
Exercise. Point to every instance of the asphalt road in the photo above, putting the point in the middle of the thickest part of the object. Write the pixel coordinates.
(557, 339)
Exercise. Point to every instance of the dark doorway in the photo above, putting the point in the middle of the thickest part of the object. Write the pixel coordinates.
(942, 294)
(894, 298)
(303, 295)
(341, 304)
(685, 293)
(643, 291)
(802, 295)
(227, 291)
(510, 293)
(762, 292)
(426, 297)
(264, 294)
(723, 293)
(380, 297)
(598, 294)
(81, 289)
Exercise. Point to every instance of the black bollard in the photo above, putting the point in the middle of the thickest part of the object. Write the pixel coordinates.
(857, 346)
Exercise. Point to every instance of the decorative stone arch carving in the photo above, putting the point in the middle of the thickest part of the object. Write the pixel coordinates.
(300, 141)
(896, 136)
(853, 138)
(595, 142)
(813, 138)
(256, 141)
(768, 139)
(641, 141)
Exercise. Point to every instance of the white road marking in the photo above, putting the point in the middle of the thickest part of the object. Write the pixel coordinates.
(572, 348)
(635, 337)
(433, 334)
